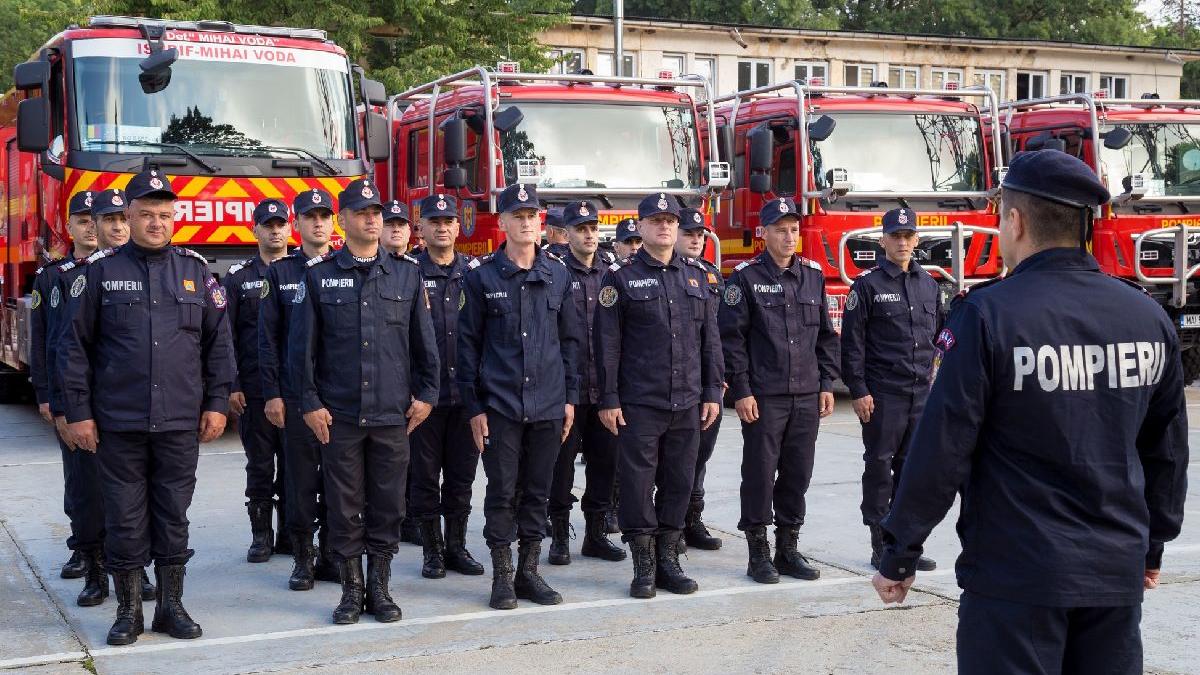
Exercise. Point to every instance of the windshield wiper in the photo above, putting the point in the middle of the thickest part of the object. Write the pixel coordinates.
(312, 156)
(178, 148)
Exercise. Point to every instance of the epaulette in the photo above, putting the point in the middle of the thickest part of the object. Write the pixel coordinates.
(67, 266)
(974, 287)
(1130, 282)
(553, 256)
(409, 258)
(50, 263)
(809, 263)
(183, 250)
(865, 273)
(607, 257)
(320, 259)
(620, 263)
(744, 264)
(237, 267)
(695, 262)
(102, 253)
(476, 262)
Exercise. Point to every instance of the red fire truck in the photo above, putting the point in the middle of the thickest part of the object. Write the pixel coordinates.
(611, 140)
(849, 154)
(1147, 151)
(232, 114)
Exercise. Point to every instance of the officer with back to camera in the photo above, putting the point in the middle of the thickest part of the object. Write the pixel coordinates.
(147, 371)
(1058, 413)
(366, 363)
(261, 440)
(892, 315)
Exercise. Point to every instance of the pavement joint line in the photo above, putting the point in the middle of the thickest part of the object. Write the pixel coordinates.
(41, 584)
(479, 615)
(43, 660)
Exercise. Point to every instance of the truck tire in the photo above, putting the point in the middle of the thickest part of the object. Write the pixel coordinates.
(1191, 365)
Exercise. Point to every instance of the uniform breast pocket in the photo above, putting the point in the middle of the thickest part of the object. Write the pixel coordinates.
(810, 310)
(645, 305)
(122, 312)
(929, 317)
(191, 312)
(698, 299)
(500, 315)
(554, 302)
(772, 308)
(338, 308)
(396, 305)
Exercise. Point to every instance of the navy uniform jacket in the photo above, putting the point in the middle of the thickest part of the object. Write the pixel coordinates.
(363, 338)
(891, 319)
(42, 329)
(1059, 411)
(585, 291)
(149, 349)
(518, 339)
(713, 275)
(244, 287)
(62, 308)
(444, 289)
(657, 342)
(775, 330)
(284, 277)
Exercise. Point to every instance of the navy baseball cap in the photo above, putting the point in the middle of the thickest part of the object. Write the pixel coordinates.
(1056, 176)
(518, 196)
(270, 209)
(578, 213)
(108, 201)
(151, 183)
(776, 209)
(359, 194)
(691, 219)
(555, 217)
(395, 210)
(627, 229)
(656, 204)
(899, 219)
(439, 206)
(81, 202)
(312, 199)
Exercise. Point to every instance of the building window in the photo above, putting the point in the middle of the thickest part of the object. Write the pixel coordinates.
(805, 70)
(706, 67)
(1031, 85)
(859, 74)
(1073, 83)
(604, 64)
(942, 76)
(992, 79)
(566, 61)
(676, 63)
(753, 73)
(904, 77)
(1117, 85)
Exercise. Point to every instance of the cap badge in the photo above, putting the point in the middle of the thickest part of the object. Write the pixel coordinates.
(316, 197)
(903, 217)
(522, 194)
(631, 227)
(696, 217)
(783, 207)
(87, 201)
(662, 203)
(583, 211)
(441, 205)
(156, 183)
(271, 208)
(367, 192)
(395, 208)
(117, 201)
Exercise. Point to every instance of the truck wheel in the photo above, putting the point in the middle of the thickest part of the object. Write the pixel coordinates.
(14, 386)
(1191, 365)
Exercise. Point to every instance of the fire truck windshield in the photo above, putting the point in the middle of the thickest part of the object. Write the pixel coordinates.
(1167, 153)
(245, 103)
(590, 145)
(889, 152)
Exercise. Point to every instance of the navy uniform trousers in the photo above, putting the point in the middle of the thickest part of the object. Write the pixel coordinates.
(264, 445)
(443, 466)
(885, 445)
(82, 499)
(657, 468)
(777, 460)
(518, 457)
(599, 449)
(364, 521)
(304, 486)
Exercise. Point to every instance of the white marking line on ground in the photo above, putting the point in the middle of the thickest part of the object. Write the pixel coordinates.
(43, 660)
(369, 625)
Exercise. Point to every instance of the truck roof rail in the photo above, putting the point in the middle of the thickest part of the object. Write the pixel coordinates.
(106, 21)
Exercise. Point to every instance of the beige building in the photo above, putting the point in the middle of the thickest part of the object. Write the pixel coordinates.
(743, 57)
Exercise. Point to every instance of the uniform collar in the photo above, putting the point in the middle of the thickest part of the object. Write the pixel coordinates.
(577, 265)
(644, 256)
(768, 262)
(893, 270)
(431, 269)
(146, 253)
(508, 268)
(1065, 258)
(346, 261)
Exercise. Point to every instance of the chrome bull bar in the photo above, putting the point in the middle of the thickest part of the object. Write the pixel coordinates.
(1182, 272)
(957, 232)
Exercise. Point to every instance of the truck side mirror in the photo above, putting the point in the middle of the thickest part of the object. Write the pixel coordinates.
(454, 151)
(506, 120)
(821, 128)
(156, 69)
(31, 75)
(1117, 138)
(33, 124)
(761, 148)
(376, 133)
(373, 92)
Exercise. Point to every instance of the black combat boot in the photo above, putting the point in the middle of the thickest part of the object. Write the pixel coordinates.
(926, 564)
(410, 531)
(379, 598)
(876, 545)
(169, 615)
(668, 574)
(610, 522)
(148, 591)
(641, 546)
(260, 529)
(325, 569)
(434, 566)
(302, 578)
(95, 580)
(695, 534)
(596, 543)
(560, 539)
(128, 625)
(788, 560)
(458, 558)
(75, 567)
(530, 585)
(504, 596)
(283, 543)
(351, 605)
(760, 568)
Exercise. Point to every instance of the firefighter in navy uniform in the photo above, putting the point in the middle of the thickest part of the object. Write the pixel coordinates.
(658, 363)
(518, 341)
(262, 440)
(599, 447)
(556, 232)
(892, 316)
(444, 457)
(305, 510)
(397, 229)
(1058, 413)
(628, 239)
(781, 358)
(147, 371)
(691, 244)
(366, 360)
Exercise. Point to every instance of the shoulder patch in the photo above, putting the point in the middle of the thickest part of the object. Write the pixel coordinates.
(320, 259)
(733, 295)
(809, 263)
(183, 250)
(102, 253)
(852, 300)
